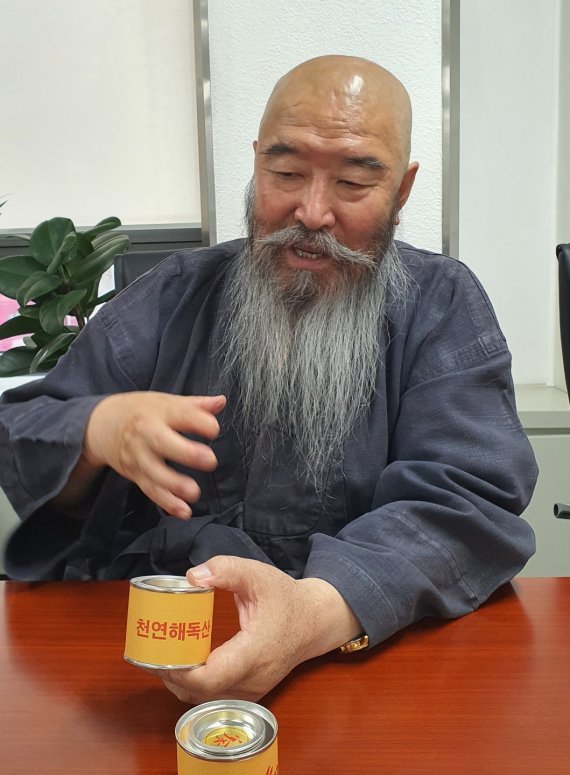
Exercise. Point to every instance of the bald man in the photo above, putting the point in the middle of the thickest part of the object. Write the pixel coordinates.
(318, 418)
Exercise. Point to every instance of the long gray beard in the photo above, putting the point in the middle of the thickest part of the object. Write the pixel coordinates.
(303, 358)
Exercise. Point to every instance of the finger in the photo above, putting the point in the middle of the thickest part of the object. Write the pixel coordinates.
(195, 414)
(175, 507)
(145, 467)
(155, 472)
(164, 486)
(170, 445)
(180, 485)
(212, 404)
(228, 669)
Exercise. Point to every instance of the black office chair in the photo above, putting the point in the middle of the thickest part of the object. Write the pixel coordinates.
(561, 510)
(563, 254)
(128, 266)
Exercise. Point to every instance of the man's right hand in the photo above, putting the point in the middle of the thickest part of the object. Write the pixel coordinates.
(135, 434)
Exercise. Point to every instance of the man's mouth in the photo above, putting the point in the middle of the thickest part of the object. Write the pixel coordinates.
(307, 253)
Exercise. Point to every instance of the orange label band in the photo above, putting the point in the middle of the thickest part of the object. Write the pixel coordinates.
(263, 763)
(169, 629)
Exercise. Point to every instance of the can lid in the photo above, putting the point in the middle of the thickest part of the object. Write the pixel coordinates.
(226, 729)
(166, 583)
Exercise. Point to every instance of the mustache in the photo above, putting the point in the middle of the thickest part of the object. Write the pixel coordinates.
(318, 241)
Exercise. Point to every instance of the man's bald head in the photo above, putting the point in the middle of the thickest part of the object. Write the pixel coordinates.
(368, 97)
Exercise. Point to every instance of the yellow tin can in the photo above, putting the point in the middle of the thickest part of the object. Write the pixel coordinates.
(237, 733)
(169, 623)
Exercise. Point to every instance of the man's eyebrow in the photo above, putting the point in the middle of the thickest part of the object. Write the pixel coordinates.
(279, 149)
(368, 162)
(286, 149)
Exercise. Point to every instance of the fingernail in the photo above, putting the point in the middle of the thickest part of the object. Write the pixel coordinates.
(201, 572)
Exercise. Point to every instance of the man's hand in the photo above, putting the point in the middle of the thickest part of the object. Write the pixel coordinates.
(135, 433)
(283, 622)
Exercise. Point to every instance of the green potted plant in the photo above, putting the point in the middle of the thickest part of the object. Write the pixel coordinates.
(55, 281)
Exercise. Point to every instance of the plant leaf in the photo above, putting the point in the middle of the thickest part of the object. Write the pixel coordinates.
(58, 344)
(13, 271)
(37, 284)
(53, 312)
(48, 237)
(67, 252)
(93, 291)
(91, 305)
(84, 249)
(104, 298)
(84, 245)
(17, 326)
(16, 361)
(40, 338)
(31, 311)
(99, 261)
(105, 225)
(49, 364)
(104, 238)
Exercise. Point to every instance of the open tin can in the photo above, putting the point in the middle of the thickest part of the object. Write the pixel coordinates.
(227, 732)
(169, 623)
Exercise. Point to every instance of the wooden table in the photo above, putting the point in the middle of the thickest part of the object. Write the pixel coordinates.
(489, 693)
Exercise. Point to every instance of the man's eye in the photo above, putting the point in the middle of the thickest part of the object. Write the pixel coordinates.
(352, 184)
(286, 175)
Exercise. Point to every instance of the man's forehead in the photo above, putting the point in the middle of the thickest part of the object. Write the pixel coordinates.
(328, 127)
(333, 111)
(337, 97)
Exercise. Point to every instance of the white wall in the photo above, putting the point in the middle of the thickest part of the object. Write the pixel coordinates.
(509, 164)
(563, 225)
(563, 234)
(254, 44)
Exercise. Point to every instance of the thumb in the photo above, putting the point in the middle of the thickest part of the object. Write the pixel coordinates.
(234, 574)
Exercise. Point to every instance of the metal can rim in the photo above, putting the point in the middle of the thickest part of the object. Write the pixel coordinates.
(251, 707)
(150, 583)
(154, 666)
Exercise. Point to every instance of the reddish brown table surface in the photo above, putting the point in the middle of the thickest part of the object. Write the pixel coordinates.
(489, 693)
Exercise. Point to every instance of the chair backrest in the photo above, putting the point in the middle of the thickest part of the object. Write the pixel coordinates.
(129, 266)
(563, 254)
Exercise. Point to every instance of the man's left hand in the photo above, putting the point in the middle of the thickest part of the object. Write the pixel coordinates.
(283, 622)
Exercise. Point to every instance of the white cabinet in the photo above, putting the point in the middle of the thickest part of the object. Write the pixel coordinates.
(545, 414)
(552, 556)
(8, 521)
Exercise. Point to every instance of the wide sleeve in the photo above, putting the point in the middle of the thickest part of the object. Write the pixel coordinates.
(42, 423)
(443, 530)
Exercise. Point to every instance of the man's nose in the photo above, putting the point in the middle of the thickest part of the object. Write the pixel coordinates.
(315, 210)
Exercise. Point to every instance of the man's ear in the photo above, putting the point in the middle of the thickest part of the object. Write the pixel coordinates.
(254, 146)
(405, 188)
(407, 183)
